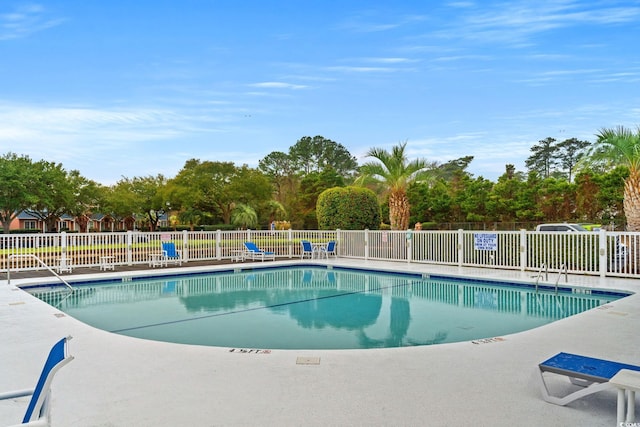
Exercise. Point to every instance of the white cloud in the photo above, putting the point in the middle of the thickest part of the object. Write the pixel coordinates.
(81, 122)
(461, 4)
(355, 69)
(26, 20)
(395, 60)
(107, 143)
(463, 58)
(514, 23)
(278, 85)
(75, 134)
(364, 23)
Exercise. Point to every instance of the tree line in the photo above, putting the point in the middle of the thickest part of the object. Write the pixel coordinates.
(570, 180)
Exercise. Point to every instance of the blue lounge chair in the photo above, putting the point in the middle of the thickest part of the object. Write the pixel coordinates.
(592, 375)
(307, 277)
(170, 253)
(307, 249)
(331, 277)
(254, 252)
(38, 411)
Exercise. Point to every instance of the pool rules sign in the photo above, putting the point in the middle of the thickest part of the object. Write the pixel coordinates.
(485, 241)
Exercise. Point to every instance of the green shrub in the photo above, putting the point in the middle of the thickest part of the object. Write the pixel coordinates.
(181, 228)
(25, 231)
(429, 225)
(348, 208)
(222, 227)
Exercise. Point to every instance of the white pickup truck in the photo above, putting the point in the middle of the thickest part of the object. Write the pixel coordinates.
(564, 226)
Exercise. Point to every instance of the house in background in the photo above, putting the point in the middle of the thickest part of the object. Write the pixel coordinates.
(28, 221)
(106, 222)
(101, 222)
(97, 222)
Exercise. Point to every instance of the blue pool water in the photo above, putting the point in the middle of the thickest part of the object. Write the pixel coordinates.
(315, 308)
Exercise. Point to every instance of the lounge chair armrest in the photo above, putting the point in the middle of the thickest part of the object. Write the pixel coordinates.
(16, 393)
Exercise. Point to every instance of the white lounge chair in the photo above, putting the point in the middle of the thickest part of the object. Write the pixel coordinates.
(38, 410)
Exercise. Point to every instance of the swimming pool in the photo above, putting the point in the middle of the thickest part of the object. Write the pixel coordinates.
(316, 308)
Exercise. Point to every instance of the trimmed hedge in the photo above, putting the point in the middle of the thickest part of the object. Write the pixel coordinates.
(348, 208)
(25, 231)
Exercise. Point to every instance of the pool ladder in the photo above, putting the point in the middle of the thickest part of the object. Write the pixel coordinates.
(42, 263)
(545, 270)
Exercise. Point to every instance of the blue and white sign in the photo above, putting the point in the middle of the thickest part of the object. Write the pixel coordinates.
(485, 241)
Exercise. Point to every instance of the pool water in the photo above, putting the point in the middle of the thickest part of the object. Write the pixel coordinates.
(315, 308)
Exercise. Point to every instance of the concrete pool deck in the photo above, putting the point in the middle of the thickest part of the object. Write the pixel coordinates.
(121, 381)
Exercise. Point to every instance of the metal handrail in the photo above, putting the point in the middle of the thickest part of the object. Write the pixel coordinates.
(546, 274)
(41, 263)
(566, 276)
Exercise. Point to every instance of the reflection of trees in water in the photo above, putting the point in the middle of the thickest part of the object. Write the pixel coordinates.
(310, 308)
(399, 322)
(314, 301)
(353, 311)
(228, 300)
(400, 319)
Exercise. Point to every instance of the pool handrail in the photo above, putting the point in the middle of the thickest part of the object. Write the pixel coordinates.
(40, 262)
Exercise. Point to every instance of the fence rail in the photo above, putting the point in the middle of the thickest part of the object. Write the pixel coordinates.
(600, 253)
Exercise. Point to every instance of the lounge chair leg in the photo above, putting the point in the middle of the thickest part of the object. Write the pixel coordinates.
(565, 400)
(620, 412)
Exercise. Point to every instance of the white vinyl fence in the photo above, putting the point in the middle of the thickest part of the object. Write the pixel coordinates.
(595, 253)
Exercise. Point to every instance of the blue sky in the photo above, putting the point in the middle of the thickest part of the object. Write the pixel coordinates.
(134, 88)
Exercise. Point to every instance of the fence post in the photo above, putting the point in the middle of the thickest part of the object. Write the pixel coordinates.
(366, 244)
(218, 254)
(602, 252)
(129, 247)
(185, 246)
(523, 249)
(460, 247)
(63, 246)
(409, 237)
(290, 234)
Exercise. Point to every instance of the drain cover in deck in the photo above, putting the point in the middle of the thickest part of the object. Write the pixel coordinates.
(308, 361)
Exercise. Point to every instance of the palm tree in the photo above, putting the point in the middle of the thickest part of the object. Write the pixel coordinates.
(244, 216)
(275, 210)
(621, 146)
(394, 173)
